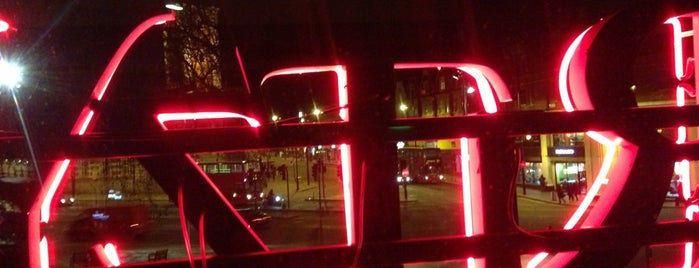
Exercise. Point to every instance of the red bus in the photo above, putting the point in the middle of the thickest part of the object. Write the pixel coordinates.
(420, 165)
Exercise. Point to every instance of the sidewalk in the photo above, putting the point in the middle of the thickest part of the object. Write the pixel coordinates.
(534, 193)
(326, 193)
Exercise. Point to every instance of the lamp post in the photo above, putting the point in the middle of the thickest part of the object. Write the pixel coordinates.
(10, 76)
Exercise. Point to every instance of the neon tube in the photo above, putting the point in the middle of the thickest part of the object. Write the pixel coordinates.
(107, 255)
(484, 76)
(610, 146)
(242, 69)
(107, 75)
(681, 135)
(573, 92)
(681, 130)
(83, 121)
(682, 170)
(183, 225)
(202, 239)
(466, 188)
(677, 35)
(40, 211)
(565, 68)
(164, 117)
(537, 259)
(179, 116)
(600, 180)
(346, 189)
(44, 252)
(682, 74)
(110, 252)
(471, 191)
(339, 70)
(342, 97)
(689, 246)
(56, 176)
(484, 89)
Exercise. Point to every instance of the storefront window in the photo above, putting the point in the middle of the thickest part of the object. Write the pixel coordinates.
(568, 139)
(531, 173)
(572, 174)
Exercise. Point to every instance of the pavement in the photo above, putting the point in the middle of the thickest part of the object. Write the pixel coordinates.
(534, 193)
(303, 193)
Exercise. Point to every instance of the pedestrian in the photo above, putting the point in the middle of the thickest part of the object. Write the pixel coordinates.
(570, 191)
(561, 193)
(283, 171)
(542, 182)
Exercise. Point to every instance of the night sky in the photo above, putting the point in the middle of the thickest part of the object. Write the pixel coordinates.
(66, 44)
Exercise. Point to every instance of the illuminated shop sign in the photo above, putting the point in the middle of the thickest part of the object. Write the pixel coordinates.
(564, 151)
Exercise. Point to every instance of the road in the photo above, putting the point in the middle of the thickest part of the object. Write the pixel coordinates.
(429, 210)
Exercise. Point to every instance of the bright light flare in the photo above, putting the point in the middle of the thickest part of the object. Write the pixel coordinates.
(107, 254)
(4, 26)
(174, 6)
(10, 74)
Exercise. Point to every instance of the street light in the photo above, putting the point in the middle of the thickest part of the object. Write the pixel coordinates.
(174, 6)
(10, 76)
(317, 113)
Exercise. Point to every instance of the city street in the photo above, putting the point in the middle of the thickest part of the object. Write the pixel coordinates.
(430, 210)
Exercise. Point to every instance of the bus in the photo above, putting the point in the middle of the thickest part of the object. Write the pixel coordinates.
(241, 181)
(419, 165)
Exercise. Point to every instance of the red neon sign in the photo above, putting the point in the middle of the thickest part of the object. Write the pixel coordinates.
(165, 117)
(574, 96)
(684, 70)
(342, 98)
(41, 210)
